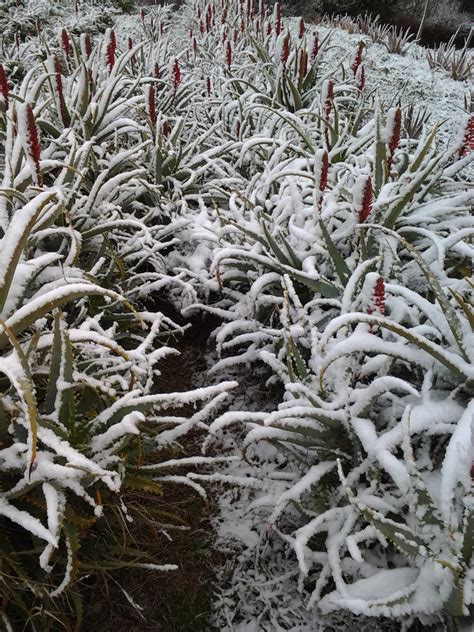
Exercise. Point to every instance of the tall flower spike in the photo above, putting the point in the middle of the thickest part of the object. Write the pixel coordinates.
(4, 89)
(360, 77)
(66, 48)
(86, 45)
(111, 46)
(357, 59)
(379, 296)
(303, 65)
(467, 144)
(176, 73)
(301, 29)
(315, 48)
(208, 86)
(363, 198)
(228, 54)
(285, 49)
(151, 103)
(394, 125)
(321, 174)
(27, 128)
(327, 97)
(60, 92)
(277, 18)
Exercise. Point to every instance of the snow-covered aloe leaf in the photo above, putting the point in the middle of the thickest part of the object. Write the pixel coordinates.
(340, 265)
(59, 397)
(46, 303)
(16, 368)
(16, 237)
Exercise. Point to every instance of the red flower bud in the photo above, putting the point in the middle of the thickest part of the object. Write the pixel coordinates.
(86, 45)
(277, 18)
(110, 48)
(176, 74)
(365, 201)
(65, 42)
(26, 121)
(327, 97)
(379, 296)
(360, 77)
(394, 129)
(301, 29)
(315, 48)
(357, 59)
(4, 89)
(467, 144)
(285, 49)
(151, 103)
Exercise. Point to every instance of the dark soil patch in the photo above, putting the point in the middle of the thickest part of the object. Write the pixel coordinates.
(176, 530)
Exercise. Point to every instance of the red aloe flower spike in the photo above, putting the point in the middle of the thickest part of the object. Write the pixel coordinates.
(277, 18)
(315, 48)
(201, 27)
(142, 14)
(156, 70)
(176, 74)
(301, 29)
(323, 181)
(234, 36)
(17, 41)
(379, 296)
(208, 20)
(261, 9)
(365, 201)
(208, 86)
(33, 144)
(86, 45)
(327, 97)
(285, 49)
(303, 66)
(269, 28)
(394, 125)
(129, 43)
(360, 77)
(228, 54)
(110, 48)
(59, 87)
(194, 45)
(151, 103)
(467, 144)
(4, 89)
(357, 60)
(321, 173)
(65, 43)
(165, 129)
